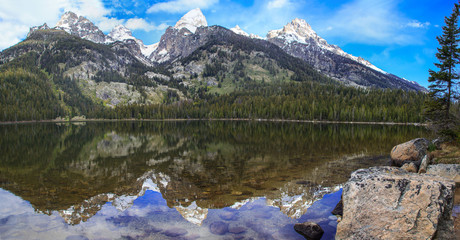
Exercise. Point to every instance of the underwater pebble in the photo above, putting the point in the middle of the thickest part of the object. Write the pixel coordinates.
(228, 215)
(263, 214)
(175, 232)
(192, 237)
(237, 230)
(76, 237)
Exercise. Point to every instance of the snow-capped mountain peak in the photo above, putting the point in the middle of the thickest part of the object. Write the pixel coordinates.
(121, 33)
(67, 20)
(192, 20)
(239, 31)
(298, 30)
(82, 27)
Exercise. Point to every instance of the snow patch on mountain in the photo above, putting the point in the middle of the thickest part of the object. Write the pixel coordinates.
(301, 32)
(67, 20)
(240, 31)
(192, 20)
(147, 50)
(82, 27)
(122, 33)
(193, 213)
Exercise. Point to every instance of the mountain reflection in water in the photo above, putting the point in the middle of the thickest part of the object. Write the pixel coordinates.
(177, 179)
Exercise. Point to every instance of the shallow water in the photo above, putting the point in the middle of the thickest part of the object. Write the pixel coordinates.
(189, 180)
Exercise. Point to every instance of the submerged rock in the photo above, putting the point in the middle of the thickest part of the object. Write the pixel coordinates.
(228, 216)
(218, 228)
(411, 151)
(390, 203)
(309, 230)
(237, 229)
(175, 232)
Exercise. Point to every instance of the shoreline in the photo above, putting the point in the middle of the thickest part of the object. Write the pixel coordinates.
(209, 119)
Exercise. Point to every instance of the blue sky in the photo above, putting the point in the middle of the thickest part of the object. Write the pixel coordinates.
(398, 36)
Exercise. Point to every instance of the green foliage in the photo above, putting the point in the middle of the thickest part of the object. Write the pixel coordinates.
(255, 79)
(442, 82)
(26, 95)
(296, 101)
(431, 147)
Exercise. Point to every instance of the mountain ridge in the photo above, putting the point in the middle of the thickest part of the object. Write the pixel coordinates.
(297, 38)
(191, 74)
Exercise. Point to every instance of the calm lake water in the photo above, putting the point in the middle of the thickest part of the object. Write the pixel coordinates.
(181, 180)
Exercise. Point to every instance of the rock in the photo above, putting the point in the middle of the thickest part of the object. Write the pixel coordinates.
(410, 167)
(262, 214)
(218, 228)
(76, 237)
(411, 151)
(175, 232)
(338, 210)
(237, 230)
(229, 216)
(424, 164)
(449, 171)
(390, 203)
(437, 142)
(309, 230)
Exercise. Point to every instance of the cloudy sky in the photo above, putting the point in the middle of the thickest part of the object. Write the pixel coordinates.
(398, 36)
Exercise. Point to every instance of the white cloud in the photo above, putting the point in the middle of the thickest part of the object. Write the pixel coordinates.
(179, 6)
(18, 15)
(277, 4)
(107, 24)
(11, 33)
(417, 24)
(372, 22)
(92, 9)
(141, 24)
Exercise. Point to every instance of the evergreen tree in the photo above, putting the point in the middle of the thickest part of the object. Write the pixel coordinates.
(442, 82)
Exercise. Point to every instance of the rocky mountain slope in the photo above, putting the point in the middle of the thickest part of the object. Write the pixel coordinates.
(89, 70)
(82, 27)
(298, 39)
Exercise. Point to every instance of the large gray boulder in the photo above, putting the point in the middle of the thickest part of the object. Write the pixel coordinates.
(411, 151)
(391, 203)
(449, 171)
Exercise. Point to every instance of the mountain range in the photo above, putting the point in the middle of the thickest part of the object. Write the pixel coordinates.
(92, 68)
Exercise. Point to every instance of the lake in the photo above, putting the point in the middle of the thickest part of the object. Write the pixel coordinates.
(181, 180)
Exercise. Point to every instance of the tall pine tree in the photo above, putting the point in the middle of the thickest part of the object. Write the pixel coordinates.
(442, 82)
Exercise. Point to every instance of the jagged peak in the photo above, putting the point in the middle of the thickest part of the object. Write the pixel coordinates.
(82, 27)
(120, 33)
(297, 30)
(67, 19)
(239, 31)
(192, 20)
(41, 27)
(300, 27)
